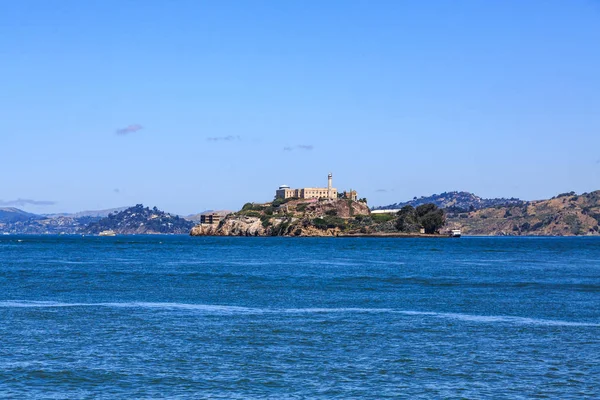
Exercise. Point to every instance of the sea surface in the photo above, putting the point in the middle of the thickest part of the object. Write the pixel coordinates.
(241, 318)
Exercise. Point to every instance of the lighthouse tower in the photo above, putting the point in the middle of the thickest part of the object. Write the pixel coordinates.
(329, 192)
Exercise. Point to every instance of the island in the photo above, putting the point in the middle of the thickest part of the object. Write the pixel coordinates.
(314, 211)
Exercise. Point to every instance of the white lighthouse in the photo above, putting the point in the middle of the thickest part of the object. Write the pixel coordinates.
(329, 192)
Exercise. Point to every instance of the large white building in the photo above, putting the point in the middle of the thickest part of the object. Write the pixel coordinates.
(285, 192)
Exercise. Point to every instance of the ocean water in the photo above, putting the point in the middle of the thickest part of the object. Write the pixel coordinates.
(182, 317)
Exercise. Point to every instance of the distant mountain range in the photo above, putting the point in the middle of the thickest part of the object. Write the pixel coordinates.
(92, 213)
(455, 201)
(12, 215)
(15, 221)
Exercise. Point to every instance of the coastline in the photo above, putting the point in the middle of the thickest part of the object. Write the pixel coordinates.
(394, 235)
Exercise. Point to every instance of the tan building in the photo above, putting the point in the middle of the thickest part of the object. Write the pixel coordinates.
(285, 192)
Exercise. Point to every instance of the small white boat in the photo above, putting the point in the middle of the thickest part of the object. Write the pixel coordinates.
(455, 233)
(107, 233)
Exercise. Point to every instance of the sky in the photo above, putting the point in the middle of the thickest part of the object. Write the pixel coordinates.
(196, 105)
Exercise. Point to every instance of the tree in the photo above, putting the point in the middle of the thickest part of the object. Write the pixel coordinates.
(432, 221)
(425, 209)
(427, 216)
(406, 219)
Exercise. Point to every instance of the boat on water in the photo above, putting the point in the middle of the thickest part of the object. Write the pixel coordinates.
(455, 233)
(107, 233)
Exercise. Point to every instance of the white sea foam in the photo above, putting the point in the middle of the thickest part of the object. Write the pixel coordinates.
(223, 309)
(333, 310)
(500, 319)
(182, 306)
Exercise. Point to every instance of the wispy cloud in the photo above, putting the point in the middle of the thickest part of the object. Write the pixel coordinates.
(129, 129)
(381, 190)
(305, 147)
(228, 138)
(116, 190)
(26, 202)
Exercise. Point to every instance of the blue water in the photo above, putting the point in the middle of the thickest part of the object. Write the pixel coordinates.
(182, 317)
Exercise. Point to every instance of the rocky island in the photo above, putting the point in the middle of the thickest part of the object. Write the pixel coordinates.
(320, 211)
(320, 217)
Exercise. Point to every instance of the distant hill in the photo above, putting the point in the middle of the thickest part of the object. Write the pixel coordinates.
(11, 215)
(564, 215)
(26, 223)
(15, 221)
(140, 220)
(454, 201)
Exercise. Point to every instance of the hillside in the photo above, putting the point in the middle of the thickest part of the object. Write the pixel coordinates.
(460, 201)
(10, 215)
(140, 220)
(564, 215)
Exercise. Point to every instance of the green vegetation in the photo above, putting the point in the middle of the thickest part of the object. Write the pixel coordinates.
(279, 201)
(565, 195)
(319, 223)
(426, 216)
(253, 207)
(379, 218)
(281, 229)
(407, 220)
(573, 223)
(430, 217)
(335, 222)
(266, 221)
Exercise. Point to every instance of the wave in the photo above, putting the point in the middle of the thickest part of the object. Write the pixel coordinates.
(167, 306)
(223, 309)
(501, 318)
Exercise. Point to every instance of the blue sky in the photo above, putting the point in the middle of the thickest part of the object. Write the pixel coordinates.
(193, 105)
